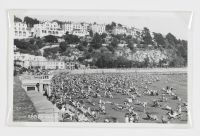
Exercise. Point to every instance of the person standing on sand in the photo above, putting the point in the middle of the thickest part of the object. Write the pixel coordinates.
(126, 118)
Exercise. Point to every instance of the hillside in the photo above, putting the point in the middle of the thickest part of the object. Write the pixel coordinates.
(109, 50)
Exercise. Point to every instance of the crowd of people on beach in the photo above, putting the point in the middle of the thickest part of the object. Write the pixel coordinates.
(97, 97)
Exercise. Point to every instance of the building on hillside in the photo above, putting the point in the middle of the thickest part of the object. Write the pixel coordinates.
(68, 27)
(25, 63)
(70, 65)
(25, 59)
(73, 45)
(66, 58)
(105, 44)
(98, 28)
(80, 26)
(87, 38)
(122, 45)
(134, 32)
(47, 28)
(28, 57)
(119, 30)
(60, 39)
(78, 29)
(30, 31)
(20, 31)
(48, 64)
(80, 33)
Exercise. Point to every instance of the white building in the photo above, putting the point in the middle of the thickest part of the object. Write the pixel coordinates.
(28, 57)
(20, 30)
(25, 59)
(122, 45)
(80, 26)
(98, 28)
(78, 29)
(25, 64)
(48, 64)
(119, 30)
(47, 28)
(80, 33)
(68, 27)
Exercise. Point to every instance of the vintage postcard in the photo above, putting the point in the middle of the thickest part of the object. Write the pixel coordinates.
(74, 67)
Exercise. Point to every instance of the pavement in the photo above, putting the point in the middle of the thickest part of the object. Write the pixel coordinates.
(47, 112)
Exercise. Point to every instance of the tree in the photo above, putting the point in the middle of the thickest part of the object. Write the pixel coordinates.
(50, 39)
(120, 37)
(26, 46)
(103, 35)
(110, 27)
(146, 62)
(122, 62)
(182, 50)
(96, 42)
(30, 21)
(114, 42)
(146, 36)
(16, 19)
(71, 39)
(91, 33)
(105, 60)
(59, 22)
(110, 48)
(159, 39)
(131, 45)
(63, 46)
(119, 25)
(171, 39)
(80, 47)
(113, 25)
(84, 43)
(51, 52)
(176, 62)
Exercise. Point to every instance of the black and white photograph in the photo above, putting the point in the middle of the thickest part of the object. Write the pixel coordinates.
(99, 66)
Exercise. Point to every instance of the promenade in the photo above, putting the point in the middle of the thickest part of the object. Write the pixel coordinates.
(47, 112)
(127, 70)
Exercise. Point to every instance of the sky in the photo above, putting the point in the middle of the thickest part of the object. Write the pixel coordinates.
(177, 23)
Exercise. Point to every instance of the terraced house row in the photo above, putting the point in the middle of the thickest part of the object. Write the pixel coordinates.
(27, 61)
(79, 29)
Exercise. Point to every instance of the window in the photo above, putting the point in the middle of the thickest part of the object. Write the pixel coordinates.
(24, 33)
(16, 34)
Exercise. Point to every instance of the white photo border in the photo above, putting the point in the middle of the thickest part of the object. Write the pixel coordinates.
(9, 120)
